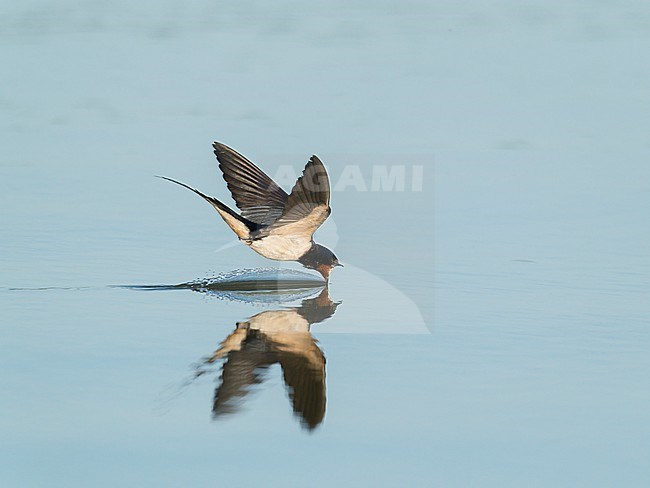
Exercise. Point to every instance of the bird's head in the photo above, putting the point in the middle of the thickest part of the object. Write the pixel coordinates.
(321, 259)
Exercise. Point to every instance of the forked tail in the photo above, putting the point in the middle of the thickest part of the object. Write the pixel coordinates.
(240, 225)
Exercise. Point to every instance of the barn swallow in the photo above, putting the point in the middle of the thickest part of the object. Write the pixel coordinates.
(270, 337)
(275, 224)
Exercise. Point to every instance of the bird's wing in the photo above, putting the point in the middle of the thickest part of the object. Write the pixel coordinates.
(242, 370)
(304, 375)
(308, 204)
(258, 197)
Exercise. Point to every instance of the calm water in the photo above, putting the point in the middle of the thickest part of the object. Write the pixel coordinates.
(491, 324)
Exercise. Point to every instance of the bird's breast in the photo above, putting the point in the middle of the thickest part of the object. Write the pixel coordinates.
(281, 248)
(279, 321)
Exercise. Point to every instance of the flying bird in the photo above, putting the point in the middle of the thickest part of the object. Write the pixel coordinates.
(275, 224)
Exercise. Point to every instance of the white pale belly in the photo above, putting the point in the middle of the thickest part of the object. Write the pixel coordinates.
(281, 248)
(277, 321)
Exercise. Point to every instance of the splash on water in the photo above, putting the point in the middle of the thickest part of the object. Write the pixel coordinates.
(265, 285)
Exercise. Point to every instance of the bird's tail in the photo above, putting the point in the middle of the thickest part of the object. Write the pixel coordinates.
(240, 225)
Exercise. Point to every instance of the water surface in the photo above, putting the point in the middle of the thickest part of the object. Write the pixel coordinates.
(490, 327)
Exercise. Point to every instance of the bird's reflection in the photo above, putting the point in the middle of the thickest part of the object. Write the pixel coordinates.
(275, 336)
